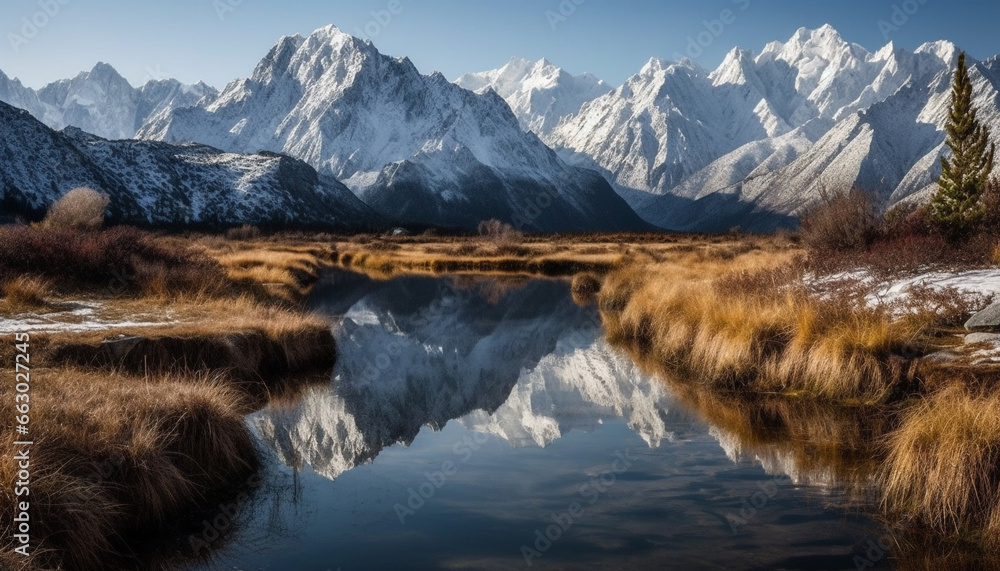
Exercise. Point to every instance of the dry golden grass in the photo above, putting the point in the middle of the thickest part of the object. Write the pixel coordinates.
(766, 333)
(26, 293)
(782, 341)
(559, 256)
(585, 288)
(79, 209)
(943, 466)
(996, 254)
(116, 457)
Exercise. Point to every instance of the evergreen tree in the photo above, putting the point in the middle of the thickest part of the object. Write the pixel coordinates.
(957, 206)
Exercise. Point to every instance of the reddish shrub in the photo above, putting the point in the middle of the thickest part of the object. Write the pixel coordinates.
(116, 260)
(843, 221)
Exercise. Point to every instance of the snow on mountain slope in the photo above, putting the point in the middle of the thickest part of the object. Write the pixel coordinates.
(152, 183)
(662, 126)
(101, 101)
(751, 142)
(540, 94)
(417, 148)
(891, 149)
(528, 367)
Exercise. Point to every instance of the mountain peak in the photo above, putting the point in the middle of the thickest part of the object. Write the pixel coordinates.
(824, 32)
(654, 65)
(329, 31)
(942, 49)
(104, 68)
(735, 68)
(824, 42)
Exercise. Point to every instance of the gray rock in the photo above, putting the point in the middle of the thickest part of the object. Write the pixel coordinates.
(982, 338)
(987, 320)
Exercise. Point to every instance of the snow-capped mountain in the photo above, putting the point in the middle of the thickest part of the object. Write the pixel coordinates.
(154, 183)
(754, 141)
(101, 101)
(749, 144)
(528, 367)
(540, 94)
(417, 148)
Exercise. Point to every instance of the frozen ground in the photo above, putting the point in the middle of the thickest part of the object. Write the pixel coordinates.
(76, 316)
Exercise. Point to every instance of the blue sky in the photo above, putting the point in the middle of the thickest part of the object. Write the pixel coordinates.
(218, 40)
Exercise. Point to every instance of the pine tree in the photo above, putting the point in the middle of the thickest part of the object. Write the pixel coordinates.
(957, 206)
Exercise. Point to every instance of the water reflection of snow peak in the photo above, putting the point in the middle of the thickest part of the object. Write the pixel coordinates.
(527, 366)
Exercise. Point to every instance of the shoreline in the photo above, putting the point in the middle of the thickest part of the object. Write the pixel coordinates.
(762, 350)
(755, 335)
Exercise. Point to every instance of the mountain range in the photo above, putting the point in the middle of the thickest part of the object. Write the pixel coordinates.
(755, 141)
(751, 143)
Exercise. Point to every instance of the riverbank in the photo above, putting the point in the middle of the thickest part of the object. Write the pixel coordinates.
(768, 326)
(148, 349)
(144, 353)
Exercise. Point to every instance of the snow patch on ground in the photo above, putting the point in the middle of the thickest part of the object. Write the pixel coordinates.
(982, 282)
(84, 316)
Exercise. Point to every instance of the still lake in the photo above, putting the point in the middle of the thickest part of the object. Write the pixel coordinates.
(487, 424)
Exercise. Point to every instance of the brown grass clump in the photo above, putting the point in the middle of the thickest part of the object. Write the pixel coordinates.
(504, 237)
(585, 288)
(943, 466)
(117, 458)
(760, 329)
(26, 293)
(996, 254)
(79, 209)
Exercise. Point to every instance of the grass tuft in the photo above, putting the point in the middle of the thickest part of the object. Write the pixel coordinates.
(119, 458)
(26, 293)
(585, 288)
(943, 466)
(79, 209)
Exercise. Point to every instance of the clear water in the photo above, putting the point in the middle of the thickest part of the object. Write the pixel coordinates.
(488, 425)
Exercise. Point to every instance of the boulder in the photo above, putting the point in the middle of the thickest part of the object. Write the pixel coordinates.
(974, 338)
(986, 321)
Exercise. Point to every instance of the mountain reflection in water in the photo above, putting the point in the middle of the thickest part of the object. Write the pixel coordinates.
(526, 365)
(512, 388)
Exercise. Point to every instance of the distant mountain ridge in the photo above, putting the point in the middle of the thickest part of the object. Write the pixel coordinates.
(539, 93)
(758, 139)
(158, 184)
(751, 143)
(101, 101)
